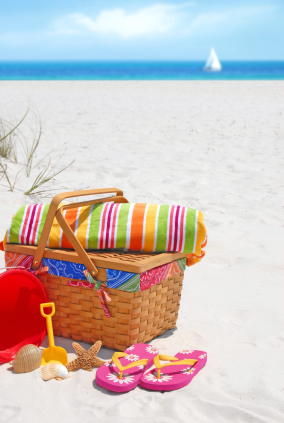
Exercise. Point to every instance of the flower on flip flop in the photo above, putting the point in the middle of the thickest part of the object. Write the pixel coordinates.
(150, 377)
(126, 378)
(202, 356)
(130, 348)
(151, 350)
(186, 351)
(188, 371)
(132, 357)
(108, 363)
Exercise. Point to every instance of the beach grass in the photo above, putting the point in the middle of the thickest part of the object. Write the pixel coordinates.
(7, 177)
(8, 138)
(45, 176)
(18, 148)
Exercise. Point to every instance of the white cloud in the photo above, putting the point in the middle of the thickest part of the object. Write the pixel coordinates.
(159, 18)
(182, 19)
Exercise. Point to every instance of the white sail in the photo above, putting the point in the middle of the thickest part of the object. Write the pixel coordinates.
(213, 63)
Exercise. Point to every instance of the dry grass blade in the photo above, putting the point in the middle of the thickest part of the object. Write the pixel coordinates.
(15, 127)
(30, 149)
(43, 177)
(4, 171)
(8, 148)
(7, 142)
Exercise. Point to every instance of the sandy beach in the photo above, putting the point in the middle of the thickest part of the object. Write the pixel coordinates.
(213, 146)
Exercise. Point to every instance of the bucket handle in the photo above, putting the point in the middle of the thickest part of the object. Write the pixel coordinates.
(54, 211)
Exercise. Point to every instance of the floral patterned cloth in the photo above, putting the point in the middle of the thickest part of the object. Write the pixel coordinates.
(156, 275)
(80, 277)
(116, 279)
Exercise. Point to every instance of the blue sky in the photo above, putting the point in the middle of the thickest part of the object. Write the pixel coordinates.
(141, 30)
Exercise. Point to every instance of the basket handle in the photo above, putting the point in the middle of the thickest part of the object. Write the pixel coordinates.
(54, 211)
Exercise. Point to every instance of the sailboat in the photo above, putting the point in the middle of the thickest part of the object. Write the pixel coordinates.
(213, 63)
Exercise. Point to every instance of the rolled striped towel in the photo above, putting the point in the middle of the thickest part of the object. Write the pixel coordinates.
(127, 226)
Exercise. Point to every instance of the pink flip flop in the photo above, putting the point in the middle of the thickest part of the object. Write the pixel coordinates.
(124, 372)
(171, 376)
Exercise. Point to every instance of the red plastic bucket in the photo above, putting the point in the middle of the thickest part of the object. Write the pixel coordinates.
(21, 323)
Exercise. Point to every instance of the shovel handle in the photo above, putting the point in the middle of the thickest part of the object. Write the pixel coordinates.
(43, 305)
(49, 322)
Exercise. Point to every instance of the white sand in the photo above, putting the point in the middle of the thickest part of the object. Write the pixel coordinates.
(218, 147)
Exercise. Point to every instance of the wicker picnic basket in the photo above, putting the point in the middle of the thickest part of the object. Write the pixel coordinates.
(135, 316)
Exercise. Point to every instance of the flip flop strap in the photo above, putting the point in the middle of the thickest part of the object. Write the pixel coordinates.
(177, 362)
(115, 359)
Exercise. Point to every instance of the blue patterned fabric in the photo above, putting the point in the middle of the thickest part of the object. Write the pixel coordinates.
(65, 269)
(115, 278)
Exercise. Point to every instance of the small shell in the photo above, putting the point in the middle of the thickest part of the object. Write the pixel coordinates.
(27, 359)
(54, 371)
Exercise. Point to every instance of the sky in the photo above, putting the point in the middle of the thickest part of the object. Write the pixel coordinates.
(141, 30)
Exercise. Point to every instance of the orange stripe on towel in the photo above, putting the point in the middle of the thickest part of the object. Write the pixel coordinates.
(150, 229)
(82, 224)
(136, 236)
(70, 217)
(201, 235)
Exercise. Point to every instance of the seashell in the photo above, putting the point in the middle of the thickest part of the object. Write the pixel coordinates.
(54, 371)
(27, 359)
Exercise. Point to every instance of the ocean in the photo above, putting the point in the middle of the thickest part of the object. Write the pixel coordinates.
(138, 70)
